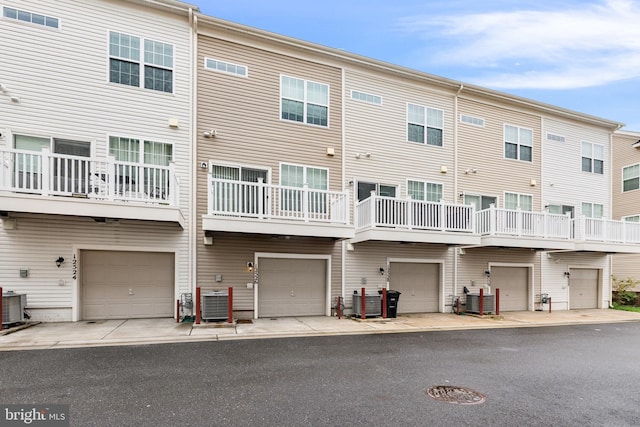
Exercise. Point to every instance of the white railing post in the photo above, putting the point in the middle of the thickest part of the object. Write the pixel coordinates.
(171, 191)
(305, 202)
(111, 178)
(345, 206)
(623, 230)
(443, 218)
(519, 221)
(473, 220)
(492, 219)
(260, 196)
(374, 219)
(45, 162)
(408, 214)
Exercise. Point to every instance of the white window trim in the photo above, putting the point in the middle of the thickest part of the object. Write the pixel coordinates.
(58, 28)
(305, 171)
(519, 143)
(504, 198)
(473, 118)
(52, 138)
(592, 205)
(465, 194)
(240, 165)
(378, 183)
(426, 125)
(624, 218)
(365, 101)
(424, 181)
(593, 157)
(141, 62)
(141, 140)
(622, 178)
(304, 110)
(246, 75)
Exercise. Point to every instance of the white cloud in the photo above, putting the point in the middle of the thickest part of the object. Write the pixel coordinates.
(586, 45)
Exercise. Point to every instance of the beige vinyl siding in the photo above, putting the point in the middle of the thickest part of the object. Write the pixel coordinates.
(230, 252)
(364, 262)
(482, 149)
(38, 240)
(472, 265)
(555, 283)
(381, 130)
(563, 181)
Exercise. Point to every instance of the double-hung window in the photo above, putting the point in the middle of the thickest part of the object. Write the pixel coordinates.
(296, 176)
(128, 54)
(592, 158)
(592, 210)
(518, 143)
(304, 101)
(425, 125)
(631, 178)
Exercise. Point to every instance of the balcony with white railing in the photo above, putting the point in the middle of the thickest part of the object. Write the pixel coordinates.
(519, 228)
(407, 220)
(606, 235)
(51, 183)
(258, 207)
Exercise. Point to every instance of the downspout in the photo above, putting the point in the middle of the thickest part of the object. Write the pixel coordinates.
(455, 181)
(343, 273)
(193, 220)
(541, 254)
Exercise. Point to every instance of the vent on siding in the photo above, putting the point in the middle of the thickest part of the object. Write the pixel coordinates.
(471, 120)
(554, 137)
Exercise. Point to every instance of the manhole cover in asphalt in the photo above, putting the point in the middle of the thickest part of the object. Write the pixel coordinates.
(453, 394)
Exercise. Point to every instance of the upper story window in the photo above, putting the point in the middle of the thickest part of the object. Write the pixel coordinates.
(518, 201)
(471, 120)
(592, 210)
(365, 188)
(304, 101)
(425, 125)
(226, 67)
(127, 54)
(366, 97)
(33, 18)
(592, 158)
(554, 137)
(133, 151)
(631, 177)
(518, 143)
(425, 191)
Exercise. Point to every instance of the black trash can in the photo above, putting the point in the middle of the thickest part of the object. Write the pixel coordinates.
(392, 303)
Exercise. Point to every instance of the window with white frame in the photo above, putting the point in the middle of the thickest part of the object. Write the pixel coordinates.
(631, 218)
(365, 188)
(304, 101)
(226, 67)
(561, 209)
(631, 177)
(518, 201)
(592, 158)
(128, 54)
(366, 97)
(480, 202)
(243, 196)
(518, 143)
(425, 191)
(592, 210)
(425, 125)
(297, 176)
(471, 120)
(30, 17)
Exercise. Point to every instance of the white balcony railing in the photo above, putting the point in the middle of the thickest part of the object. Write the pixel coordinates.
(266, 201)
(516, 222)
(52, 174)
(606, 230)
(380, 211)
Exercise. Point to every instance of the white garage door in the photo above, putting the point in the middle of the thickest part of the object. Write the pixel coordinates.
(418, 284)
(291, 287)
(583, 288)
(121, 285)
(513, 283)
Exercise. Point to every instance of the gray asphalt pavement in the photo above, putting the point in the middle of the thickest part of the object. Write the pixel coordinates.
(583, 375)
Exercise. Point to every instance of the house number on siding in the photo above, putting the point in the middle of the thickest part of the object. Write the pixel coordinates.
(74, 270)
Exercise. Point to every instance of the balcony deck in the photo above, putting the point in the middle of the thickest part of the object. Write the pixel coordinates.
(257, 207)
(59, 184)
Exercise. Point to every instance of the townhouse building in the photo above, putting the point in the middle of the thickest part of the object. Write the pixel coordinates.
(95, 156)
(626, 198)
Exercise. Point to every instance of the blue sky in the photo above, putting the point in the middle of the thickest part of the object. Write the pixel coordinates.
(583, 55)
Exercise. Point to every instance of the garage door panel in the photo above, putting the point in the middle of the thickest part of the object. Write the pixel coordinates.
(583, 288)
(117, 285)
(291, 287)
(418, 284)
(513, 283)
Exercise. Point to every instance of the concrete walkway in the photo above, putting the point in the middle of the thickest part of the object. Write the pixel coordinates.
(153, 331)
